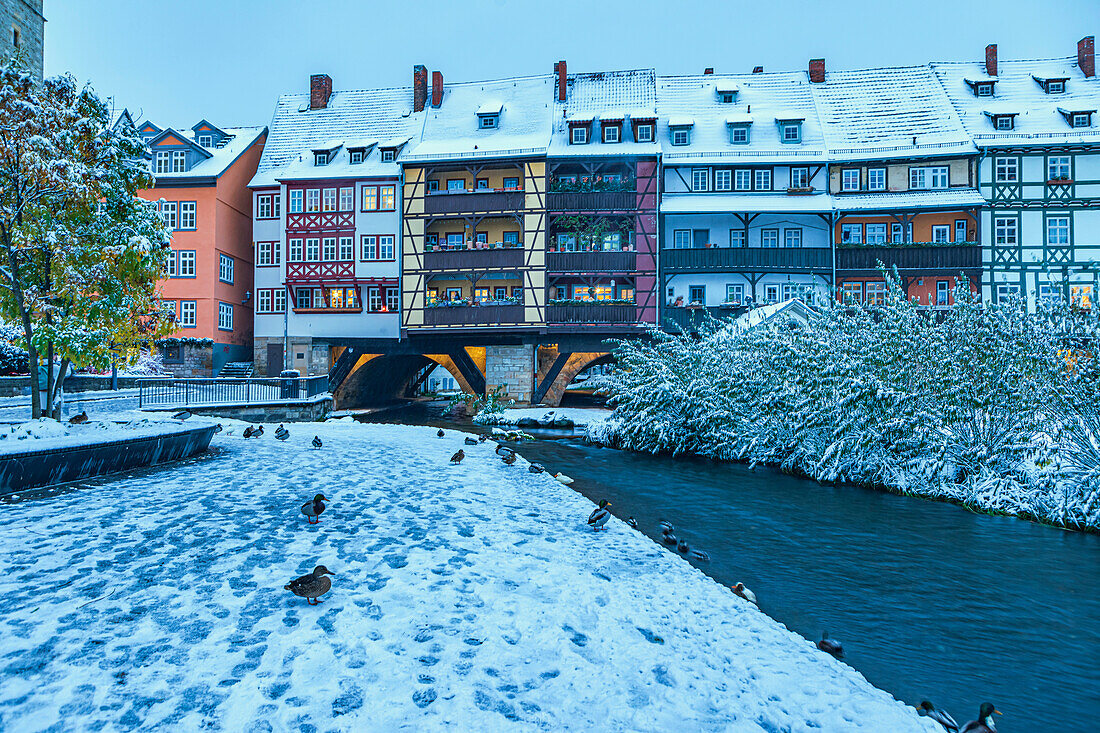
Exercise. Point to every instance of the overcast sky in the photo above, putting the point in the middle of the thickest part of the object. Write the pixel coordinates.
(228, 60)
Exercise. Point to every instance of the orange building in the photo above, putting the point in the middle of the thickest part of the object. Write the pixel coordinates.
(202, 192)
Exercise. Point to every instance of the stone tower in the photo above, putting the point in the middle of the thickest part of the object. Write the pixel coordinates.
(21, 28)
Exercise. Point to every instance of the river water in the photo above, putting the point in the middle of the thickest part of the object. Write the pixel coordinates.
(930, 601)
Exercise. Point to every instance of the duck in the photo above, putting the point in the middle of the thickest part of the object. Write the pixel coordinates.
(682, 546)
(562, 478)
(984, 723)
(666, 526)
(600, 515)
(280, 430)
(830, 646)
(482, 438)
(502, 450)
(182, 415)
(312, 585)
(282, 436)
(470, 441)
(740, 590)
(457, 457)
(929, 711)
(668, 538)
(536, 468)
(317, 441)
(258, 432)
(247, 432)
(313, 509)
(701, 555)
(508, 459)
(78, 419)
(632, 522)
(218, 428)
(439, 433)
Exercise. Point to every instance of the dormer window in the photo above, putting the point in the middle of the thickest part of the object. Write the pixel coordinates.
(1054, 85)
(320, 158)
(611, 133)
(355, 156)
(1077, 117)
(488, 122)
(790, 130)
(643, 133)
(488, 115)
(578, 135)
(1080, 119)
(388, 155)
(726, 93)
(981, 87)
(680, 130)
(206, 140)
(738, 127)
(1003, 121)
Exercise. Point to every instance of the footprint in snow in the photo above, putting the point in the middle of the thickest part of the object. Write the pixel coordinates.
(650, 636)
(576, 637)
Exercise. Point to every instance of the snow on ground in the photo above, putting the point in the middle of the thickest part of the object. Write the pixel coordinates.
(47, 434)
(468, 597)
(580, 416)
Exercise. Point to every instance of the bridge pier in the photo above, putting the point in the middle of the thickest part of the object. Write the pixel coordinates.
(512, 367)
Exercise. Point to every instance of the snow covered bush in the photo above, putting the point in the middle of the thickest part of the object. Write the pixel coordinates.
(487, 408)
(961, 407)
(147, 364)
(13, 357)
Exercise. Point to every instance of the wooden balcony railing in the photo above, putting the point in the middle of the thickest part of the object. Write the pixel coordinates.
(680, 320)
(591, 261)
(473, 259)
(592, 201)
(469, 201)
(592, 313)
(473, 315)
(954, 257)
(786, 259)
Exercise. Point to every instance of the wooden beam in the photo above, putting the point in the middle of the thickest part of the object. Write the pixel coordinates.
(551, 374)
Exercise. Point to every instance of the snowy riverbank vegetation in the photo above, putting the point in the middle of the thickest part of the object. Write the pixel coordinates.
(992, 407)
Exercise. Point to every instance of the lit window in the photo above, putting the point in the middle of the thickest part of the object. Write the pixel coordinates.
(370, 198)
(329, 201)
(876, 293)
(852, 292)
(388, 198)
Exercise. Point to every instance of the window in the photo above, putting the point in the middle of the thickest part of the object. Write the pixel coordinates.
(849, 179)
(347, 250)
(1006, 170)
(941, 233)
(16, 37)
(723, 180)
(697, 294)
(926, 178)
(433, 184)
(295, 254)
(876, 234)
(511, 182)
(320, 159)
(319, 298)
(1058, 230)
(455, 241)
(960, 230)
(1058, 168)
(726, 97)
(356, 156)
(681, 136)
(164, 164)
(388, 198)
(792, 237)
(792, 291)
(511, 239)
(898, 237)
(275, 201)
(500, 293)
(296, 202)
(368, 247)
(739, 134)
(487, 122)
(374, 299)
(643, 133)
(329, 200)
(264, 252)
(611, 133)
(481, 295)
(328, 249)
(370, 198)
(578, 135)
(762, 179)
(876, 293)
(1007, 291)
(170, 267)
(263, 206)
(851, 233)
(386, 247)
(771, 293)
(179, 161)
(939, 177)
(742, 180)
(791, 132)
(681, 239)
(187, 263)
(303, 298)
(225, 268)
(943, 287)
(700, 179)
(1081, 295)
(1004, 122)
(769, 237)
(1079, 119)
(737, 238)
(1006, 231)
(187, 215)
(388, 155)
(800, 177)
(876, 179)
(188, 309)
(393, 298)
(263, 301)
(313, 250)
(851, 292)
(983, 89)
(168, 213)
(481, 184)
(313, 200)
(1056, 86)
(347, 198)
(735, 293)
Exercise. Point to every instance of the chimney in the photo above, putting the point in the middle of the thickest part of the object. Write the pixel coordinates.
(1086, 56)
(320, 89)
(817, 70)
(559, 69)
(709, 70)
(437, 88)
(420, 87)
(991, 59)
(758, 69)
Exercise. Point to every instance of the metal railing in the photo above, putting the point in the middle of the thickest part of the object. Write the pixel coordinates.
(172, 392)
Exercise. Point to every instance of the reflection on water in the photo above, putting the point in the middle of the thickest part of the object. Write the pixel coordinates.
(929, 600)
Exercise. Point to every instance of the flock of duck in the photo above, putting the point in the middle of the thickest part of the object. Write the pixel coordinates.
(315, 584)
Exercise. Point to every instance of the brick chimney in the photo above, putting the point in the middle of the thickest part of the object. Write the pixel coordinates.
(758, 69)
(1086, 56)
(991, 59)
(420, 87)
(817, 70)
(437, 88)
(708, 71)
(559, 69)
(320, 89)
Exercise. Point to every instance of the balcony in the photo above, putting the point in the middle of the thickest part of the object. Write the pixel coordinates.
(922, 256)
(566, 262)
(473, 315)
(757, 259)
(460, 260)
(688, 320)
(592, 313)
(462, 202)
(592, 201)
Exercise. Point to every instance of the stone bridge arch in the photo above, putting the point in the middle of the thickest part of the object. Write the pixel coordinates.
(558, 374)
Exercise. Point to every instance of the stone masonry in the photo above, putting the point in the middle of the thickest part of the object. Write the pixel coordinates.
(21, 28)
(513, 367)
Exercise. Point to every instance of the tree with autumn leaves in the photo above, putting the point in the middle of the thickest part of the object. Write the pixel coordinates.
(80, 253)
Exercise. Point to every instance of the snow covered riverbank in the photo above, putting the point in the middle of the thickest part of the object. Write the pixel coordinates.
(465, 597)
(546, 417)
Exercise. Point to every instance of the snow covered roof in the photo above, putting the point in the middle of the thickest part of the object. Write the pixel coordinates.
(793, 309)
(451, 131)
(364, 116)
(740, 119)
(1038, 121)
(493, 107)
(764, 97)
(888, 112)
(217, 160)
(951, 198)
(722, 203)
(611, 96)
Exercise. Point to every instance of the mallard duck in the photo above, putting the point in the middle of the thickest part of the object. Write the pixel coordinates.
(984, 723)
(562, 478)
(682, 546)
(282, 436)
(508, 459)
(482, 438)
(929, 711)
(632, 522)
(740, 590)
(830, 646)
(258, 432)
(666, 526)
(470, 441)
(248, 432)
(439, 433)
(317, 441)
(502, 450)
(536, 468)
(600, 515)
(312, 585)
(182, 415)
(457, 457)
(218, 428)
(668, 538)
(78, 419)
(280, 430)
(700, 555)
(313, 509)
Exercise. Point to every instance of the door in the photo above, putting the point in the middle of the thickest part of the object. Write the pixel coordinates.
(274, 359)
